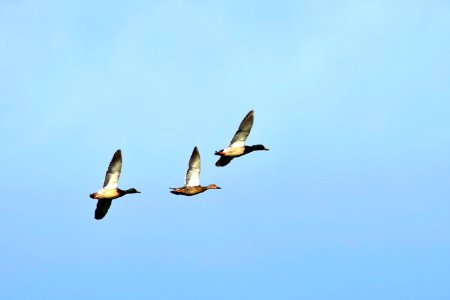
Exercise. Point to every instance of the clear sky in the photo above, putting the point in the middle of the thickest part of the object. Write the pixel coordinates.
(351, 202)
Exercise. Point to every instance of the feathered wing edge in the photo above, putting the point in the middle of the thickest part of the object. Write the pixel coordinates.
(102, 208)
(113, 172)
(242, 133)
(223, 161)
(193, 171)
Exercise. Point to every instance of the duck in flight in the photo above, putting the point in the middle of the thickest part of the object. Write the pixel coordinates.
(237, 146)
(192, 186)
(110, 191)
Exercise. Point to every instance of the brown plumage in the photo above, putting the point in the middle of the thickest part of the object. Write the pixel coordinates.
(192, 190)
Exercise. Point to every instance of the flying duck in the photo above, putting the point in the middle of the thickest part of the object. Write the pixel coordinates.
(192, 186)
(237, 146)
(110, 191)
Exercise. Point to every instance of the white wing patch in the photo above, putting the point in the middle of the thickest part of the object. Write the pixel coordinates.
(237, 144)
(113, 181)
(193, 177)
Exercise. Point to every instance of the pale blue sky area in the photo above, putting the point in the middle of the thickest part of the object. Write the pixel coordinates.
(351, 202)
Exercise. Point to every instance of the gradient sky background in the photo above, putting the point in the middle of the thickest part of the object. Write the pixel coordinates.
(352, 98)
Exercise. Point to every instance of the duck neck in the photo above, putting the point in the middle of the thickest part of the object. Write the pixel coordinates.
(122, 192)
(248, 149)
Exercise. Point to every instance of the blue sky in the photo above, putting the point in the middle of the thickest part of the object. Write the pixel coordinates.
(351, 202)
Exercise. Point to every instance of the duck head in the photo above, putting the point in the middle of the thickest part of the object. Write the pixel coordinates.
(213, 186)
(259, 147)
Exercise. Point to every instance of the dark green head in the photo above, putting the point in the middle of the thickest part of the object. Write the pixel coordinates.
(259, 147)
(132, 191)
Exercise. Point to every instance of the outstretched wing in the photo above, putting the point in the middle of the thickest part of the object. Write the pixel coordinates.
(102, 208)
(193, 172)
(244, 130)
(223, 161)
(113, 172)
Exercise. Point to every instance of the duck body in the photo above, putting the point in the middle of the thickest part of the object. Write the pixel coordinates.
(192, 190)
(108, 194)
(192, 186)
(233, 151)
(239, 151)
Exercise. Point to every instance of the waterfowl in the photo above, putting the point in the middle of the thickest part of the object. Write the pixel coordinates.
(110, 191)
(192, 186)
(237, 146)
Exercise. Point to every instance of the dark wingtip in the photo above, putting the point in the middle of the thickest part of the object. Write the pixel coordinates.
(117, 154)
(195, 151)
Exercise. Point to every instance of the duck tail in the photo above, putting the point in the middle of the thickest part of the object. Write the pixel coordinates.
(220, 152)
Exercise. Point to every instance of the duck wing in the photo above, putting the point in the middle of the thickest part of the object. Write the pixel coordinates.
(113, 172)
(102, 208)
(193, 172)
(244, 130)
(223, 161)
